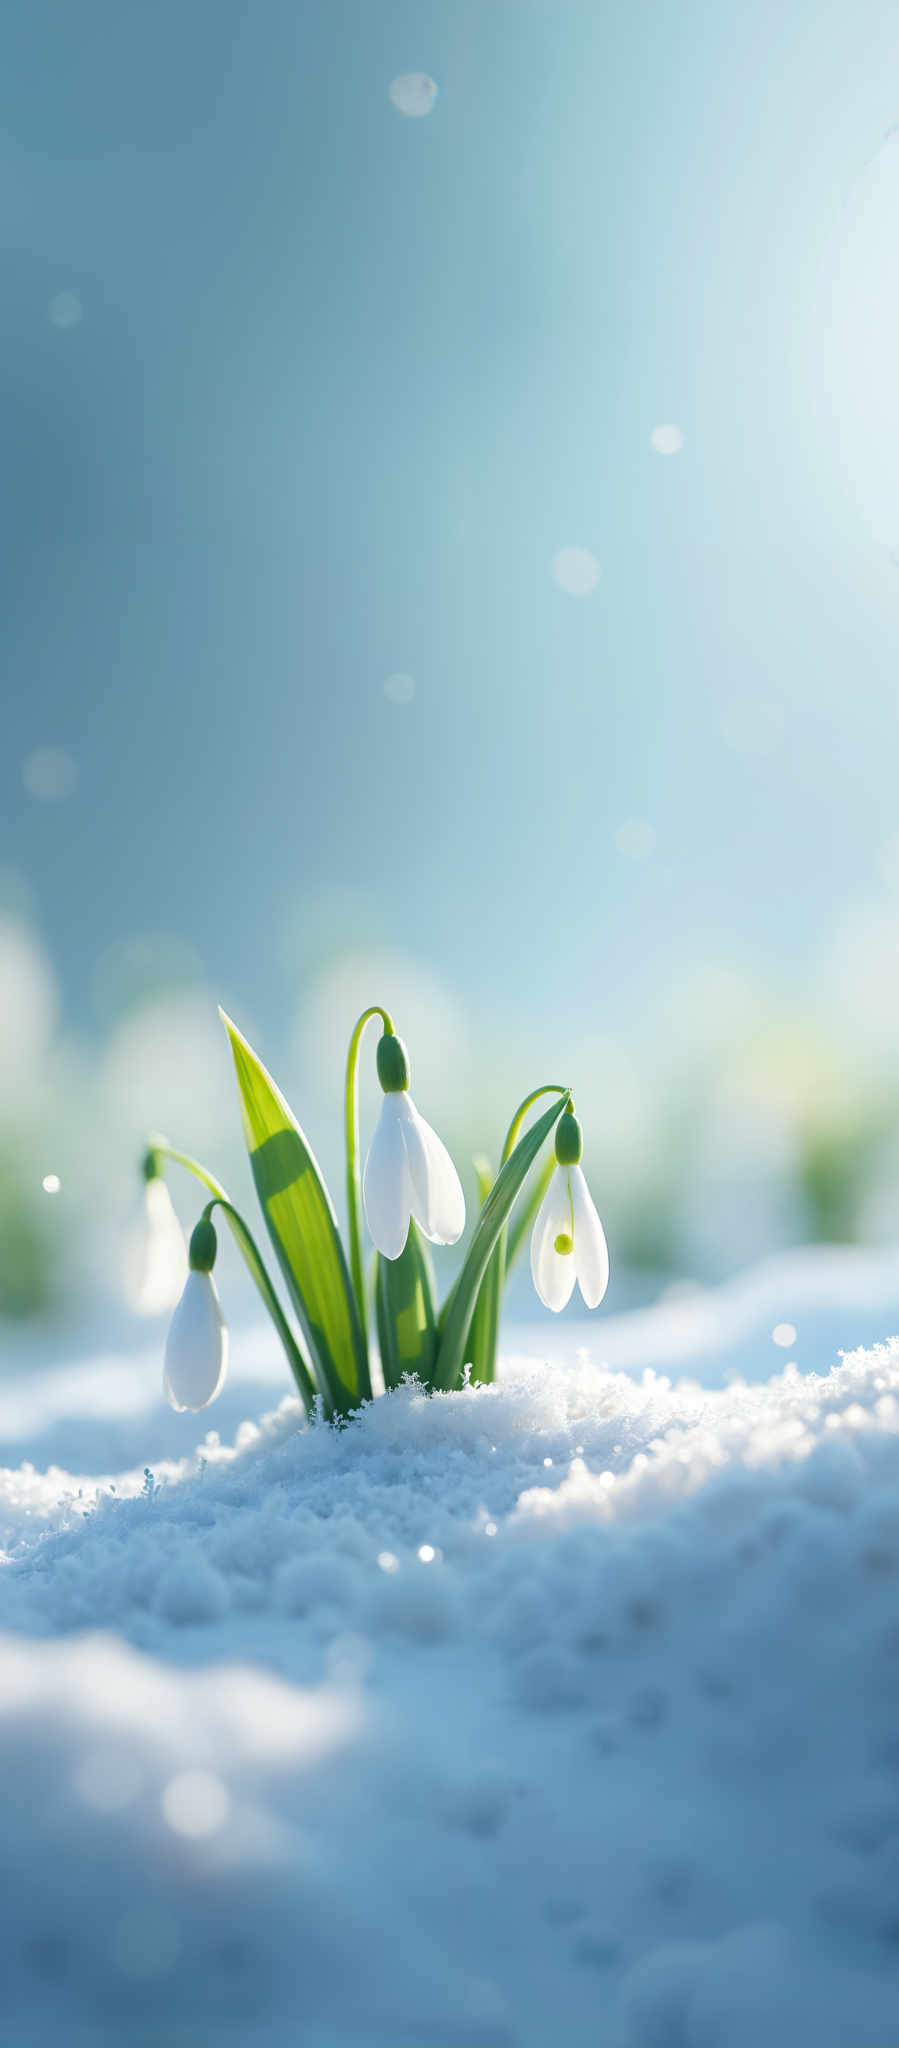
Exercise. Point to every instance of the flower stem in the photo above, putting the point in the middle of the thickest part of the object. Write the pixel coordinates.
(551, 1088)
(248, 1246)
(461, 1301)
(494, 1279)
(353, 1184)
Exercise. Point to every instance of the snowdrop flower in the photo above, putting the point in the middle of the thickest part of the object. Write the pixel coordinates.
(196, 1352)
(157, 1255)
(568, 1242)
(408, 1171)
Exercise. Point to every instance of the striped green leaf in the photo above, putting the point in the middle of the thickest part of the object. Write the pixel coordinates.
(453, 1352)
(303, 1229)
(406, 1318)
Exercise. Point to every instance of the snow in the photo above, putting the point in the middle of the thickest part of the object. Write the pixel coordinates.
(560, 1710)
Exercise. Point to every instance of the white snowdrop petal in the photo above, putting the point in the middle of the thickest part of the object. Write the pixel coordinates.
(386, 1186)
(196, 1352)
(542, 1235)
(560, 1279)
(552, 1272)
(161, 1266)
(591, 1255)
(410, 1124)
(438, 1203)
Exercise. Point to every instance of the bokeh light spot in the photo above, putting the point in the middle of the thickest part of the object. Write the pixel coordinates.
(51, 1183)
(66, 310)
(49, 774)
(576, 571)
(784, 1334)
(400, 689)
(667, 440)
(195, 1803)
(412, 93)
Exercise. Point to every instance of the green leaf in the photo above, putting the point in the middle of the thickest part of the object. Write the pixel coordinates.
(303, 1229)
(404, 1308)
(452, 1355)
(484, 1330)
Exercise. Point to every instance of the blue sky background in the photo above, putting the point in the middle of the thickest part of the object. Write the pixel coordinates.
(338, 386)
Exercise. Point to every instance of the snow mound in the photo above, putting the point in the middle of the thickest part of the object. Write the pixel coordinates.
(561, 1709)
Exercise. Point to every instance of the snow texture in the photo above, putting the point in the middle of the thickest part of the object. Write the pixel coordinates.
(560, 1711)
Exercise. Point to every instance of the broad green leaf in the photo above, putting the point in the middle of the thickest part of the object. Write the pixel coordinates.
(453, 1353)
(303, 1229)
(404, 1308)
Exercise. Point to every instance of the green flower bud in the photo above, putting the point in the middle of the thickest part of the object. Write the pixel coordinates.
(393, 1064)
(569, 1139)
(203, 1247)
(563, 1244)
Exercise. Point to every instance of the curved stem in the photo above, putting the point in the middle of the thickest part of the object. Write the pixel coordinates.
(257, 1267)
(501, 1255)
(552, 1088)
(485, 1245)
(489, 1302)
(167, 1151)
(353, 1186)
(254, 1260)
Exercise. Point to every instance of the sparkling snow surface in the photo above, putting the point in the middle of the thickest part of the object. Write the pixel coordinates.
(563, 1712)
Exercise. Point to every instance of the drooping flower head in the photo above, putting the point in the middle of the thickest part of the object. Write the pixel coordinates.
(568, 1241)
(408, 1172)
(196, 1352)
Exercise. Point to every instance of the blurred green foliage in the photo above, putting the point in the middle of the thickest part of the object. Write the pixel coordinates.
(29, 1259)
(761, 1134)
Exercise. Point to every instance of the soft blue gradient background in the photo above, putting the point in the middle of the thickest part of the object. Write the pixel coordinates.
(343, 384)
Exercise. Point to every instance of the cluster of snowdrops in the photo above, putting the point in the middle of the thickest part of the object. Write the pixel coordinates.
(411, 1192)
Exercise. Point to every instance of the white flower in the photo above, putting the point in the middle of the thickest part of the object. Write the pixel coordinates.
(157, 1255)
(568, 1242)
(409, 1173)
(196, 1352)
